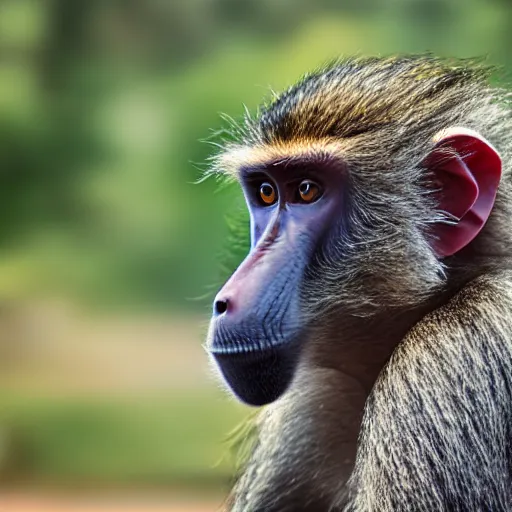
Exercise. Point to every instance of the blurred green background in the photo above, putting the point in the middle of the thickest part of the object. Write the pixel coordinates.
(109, 251)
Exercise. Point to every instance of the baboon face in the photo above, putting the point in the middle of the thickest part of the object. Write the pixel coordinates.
(259, 320)
(356, 223)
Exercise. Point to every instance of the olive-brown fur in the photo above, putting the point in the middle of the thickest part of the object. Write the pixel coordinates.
(402, 400)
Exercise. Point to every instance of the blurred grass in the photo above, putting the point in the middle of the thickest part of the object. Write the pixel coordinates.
(171, 441)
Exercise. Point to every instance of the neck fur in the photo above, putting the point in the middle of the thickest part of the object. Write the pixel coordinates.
(307, 440)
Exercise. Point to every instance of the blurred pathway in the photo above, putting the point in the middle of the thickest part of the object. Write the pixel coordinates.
(21, 503)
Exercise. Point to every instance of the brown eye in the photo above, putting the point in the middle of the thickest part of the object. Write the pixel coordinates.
(309, 191)
(268, 193)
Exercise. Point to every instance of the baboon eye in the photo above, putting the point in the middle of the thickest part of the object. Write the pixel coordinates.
(309, 191)
(268, 193)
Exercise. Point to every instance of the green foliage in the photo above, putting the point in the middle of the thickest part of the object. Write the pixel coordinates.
(82, 442)
(103, 107)
(98, 140)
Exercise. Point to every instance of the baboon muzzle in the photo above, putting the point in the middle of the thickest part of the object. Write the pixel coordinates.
(255, 330)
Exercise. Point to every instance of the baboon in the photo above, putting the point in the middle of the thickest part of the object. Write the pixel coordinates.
(373, 313)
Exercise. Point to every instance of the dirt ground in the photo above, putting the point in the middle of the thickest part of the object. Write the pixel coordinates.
(32, 503)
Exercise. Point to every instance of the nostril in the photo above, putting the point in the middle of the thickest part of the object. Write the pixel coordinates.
(220, 306)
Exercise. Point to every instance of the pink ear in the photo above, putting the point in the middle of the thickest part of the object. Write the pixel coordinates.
(468, 169)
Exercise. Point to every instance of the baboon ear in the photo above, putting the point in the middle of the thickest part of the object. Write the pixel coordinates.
(468, 170)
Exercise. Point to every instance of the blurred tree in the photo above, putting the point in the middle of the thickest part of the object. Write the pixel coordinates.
(43, 151)
(103, 104)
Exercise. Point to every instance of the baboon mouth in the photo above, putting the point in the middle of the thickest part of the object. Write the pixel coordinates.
(258, 377)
